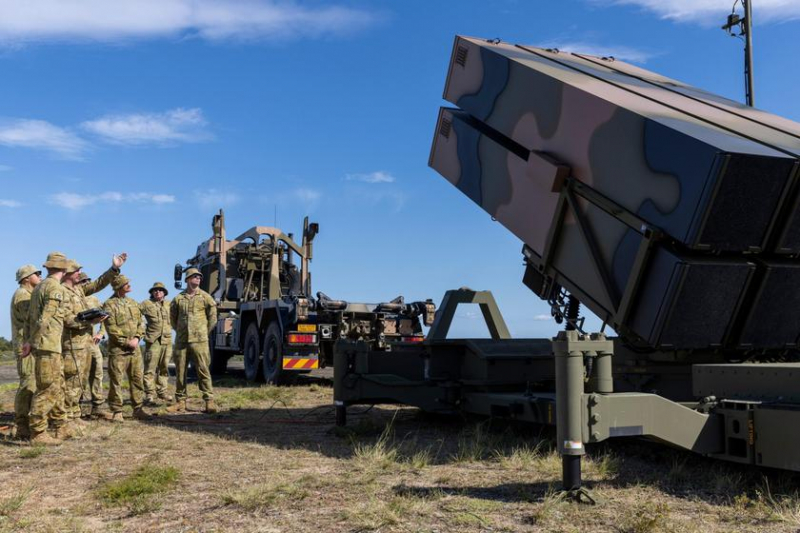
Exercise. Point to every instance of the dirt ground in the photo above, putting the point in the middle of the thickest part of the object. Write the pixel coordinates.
(272, 461)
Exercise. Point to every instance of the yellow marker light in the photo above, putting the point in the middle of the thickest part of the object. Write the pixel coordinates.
(305, 328)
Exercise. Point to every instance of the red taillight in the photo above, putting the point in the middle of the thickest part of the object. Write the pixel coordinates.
(416, 338)
(296, 338)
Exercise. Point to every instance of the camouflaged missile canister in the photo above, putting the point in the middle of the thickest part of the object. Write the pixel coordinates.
(651, 159)
(590, 162)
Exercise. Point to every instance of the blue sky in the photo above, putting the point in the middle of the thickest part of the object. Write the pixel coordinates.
(125, 125)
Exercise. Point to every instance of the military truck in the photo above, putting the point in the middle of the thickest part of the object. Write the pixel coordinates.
(262, 284)
(671, 213)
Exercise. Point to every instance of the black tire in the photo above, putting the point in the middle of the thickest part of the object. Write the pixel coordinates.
(273, 355)
(252, 352)
(219, 359)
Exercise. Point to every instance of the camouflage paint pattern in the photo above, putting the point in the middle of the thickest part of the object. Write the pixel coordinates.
(711, 181)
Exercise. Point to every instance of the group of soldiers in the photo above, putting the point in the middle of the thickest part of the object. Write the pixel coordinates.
(57, 328)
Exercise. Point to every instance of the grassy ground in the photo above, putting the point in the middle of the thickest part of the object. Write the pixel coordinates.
(272, 461)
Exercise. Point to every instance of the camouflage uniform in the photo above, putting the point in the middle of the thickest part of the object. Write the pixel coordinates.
(123, 324)
(158, 345)
(43, 332)
(77, 337)
(20, 304)
(93, 373)
(193, 317)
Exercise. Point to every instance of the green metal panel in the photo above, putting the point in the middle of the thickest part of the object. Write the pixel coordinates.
(748, 381)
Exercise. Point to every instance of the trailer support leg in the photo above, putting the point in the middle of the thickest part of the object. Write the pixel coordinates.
(569, 392)
(341, 414)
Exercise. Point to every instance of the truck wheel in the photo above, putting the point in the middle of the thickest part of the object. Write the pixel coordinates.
(219, 359)
(273, 355)
(252, 352)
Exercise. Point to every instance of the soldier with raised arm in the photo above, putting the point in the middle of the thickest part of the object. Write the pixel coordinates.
(43, 338)
(158, 344)
(78, 335)
(193, 314)
(125, 330)
(28, 277)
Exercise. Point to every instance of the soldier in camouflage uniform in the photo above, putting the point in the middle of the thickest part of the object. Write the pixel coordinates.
(77, 338)
(193, 314)
(158, 344)
(92, 375)
(28, 277)
(125, 330)
(43, 332)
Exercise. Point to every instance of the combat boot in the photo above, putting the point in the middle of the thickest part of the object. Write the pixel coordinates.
(151, 401)
(101, 413)
(211, 408)
(141, 414)
(44, 439)
(68, 431)
(117, 418)
(166, 398)
(22, 433)
(178, 407)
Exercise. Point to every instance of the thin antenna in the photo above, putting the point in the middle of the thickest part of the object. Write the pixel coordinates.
(745, 25)
(275, 224)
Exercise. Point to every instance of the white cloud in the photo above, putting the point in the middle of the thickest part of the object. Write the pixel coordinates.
(76, 201)
(624, 53)
(712, 12)
(10, 203)
(379, 176)
(304, 198)
(33, 21)
(41, 135)
(309, 198)
(170, 127)
(214, 198)
(542, 318)
(6, 168)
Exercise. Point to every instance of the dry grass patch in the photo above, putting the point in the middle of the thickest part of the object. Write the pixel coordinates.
(376, 513)
(253, 396)
(264, 496)
(647, 517)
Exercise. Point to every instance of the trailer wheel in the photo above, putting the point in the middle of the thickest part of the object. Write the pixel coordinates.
(219, 359)
(252, 352)
(273, 355)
